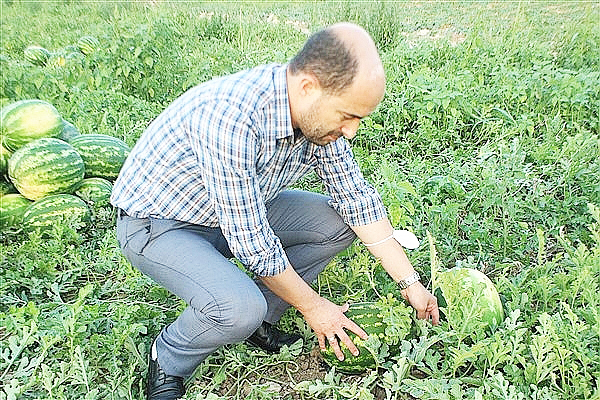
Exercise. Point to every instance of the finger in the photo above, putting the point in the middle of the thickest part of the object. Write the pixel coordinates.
(345, 307)
(352, 326)
(336, 347)
(349, 343)
(435, 316)
(433, 311)
(321, 339)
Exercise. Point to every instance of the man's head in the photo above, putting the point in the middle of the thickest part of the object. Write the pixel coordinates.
(329, 59)
(336, 79)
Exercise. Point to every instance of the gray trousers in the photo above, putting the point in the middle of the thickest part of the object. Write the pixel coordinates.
(224, 304)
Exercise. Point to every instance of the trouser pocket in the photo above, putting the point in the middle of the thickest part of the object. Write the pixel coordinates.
(133, 234)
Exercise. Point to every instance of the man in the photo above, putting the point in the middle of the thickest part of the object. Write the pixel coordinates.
(207, 182)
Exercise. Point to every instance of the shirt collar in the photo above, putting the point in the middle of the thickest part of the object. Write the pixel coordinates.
(282, 107)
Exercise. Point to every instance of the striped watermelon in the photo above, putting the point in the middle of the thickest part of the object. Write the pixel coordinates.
(68, 131)
(37, 55)
(6, 187)
(24, 121)
(95, 191)
(56, 209)
(4, 156)
(468, 300)
(371, 317)
(45, 167)
(12, 208)
(56, 60)
(103, 155)
(88, 44)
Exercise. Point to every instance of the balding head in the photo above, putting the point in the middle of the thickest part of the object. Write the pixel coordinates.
(338, 56)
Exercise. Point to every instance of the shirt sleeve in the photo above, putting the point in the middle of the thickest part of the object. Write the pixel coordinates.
(226, 147)
(357, 201)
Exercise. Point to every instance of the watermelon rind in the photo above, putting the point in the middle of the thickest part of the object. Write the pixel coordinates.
(36, 55)
(88, 44)
(4, 156)
(57, 59)
(103, 155)
(469, 300)
(370, 316)
(66, 209)
(24, 121)
(6, 187)
(95, 191)
(45, 167)
(68, 131)
(12, 208)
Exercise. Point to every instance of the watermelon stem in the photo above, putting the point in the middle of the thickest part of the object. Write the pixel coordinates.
(372, 282)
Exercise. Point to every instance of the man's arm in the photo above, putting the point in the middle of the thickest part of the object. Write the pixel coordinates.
(325, 318)
(396, 263)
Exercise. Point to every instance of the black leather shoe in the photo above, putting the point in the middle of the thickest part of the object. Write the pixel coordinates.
(272, 339)
(161, 386)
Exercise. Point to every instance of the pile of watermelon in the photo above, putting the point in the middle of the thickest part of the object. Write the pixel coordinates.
(40, 56)
(51, 173)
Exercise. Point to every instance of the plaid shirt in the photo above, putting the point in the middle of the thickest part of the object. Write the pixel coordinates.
(222, 150)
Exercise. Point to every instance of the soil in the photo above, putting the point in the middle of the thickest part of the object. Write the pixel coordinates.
(280, 378)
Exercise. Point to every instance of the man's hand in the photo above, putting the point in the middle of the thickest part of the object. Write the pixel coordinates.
(423, 302)
(325, 318)
(328, 322)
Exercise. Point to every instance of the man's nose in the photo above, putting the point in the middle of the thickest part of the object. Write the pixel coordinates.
(350, 128)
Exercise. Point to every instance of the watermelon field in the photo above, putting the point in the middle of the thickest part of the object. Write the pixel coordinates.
(486, 146)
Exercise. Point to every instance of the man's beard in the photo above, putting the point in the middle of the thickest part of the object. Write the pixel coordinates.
(311, 128)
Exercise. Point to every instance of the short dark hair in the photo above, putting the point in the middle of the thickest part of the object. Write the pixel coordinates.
(329, 59)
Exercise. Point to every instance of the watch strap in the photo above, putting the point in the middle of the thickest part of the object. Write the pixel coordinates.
(409, 280)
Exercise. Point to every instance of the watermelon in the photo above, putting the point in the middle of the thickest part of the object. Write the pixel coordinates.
(37, 55)
(12, 208)
(88, 44)
(24, 121)
(45, 167)
(6, 187)
(41, 215)
(4, 156)
(103, 155)
(468, 300)
(95, 191)
(68, 131)
(373, 318)
(56, 60)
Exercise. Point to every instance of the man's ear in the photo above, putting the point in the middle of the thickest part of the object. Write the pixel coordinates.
(309, 85)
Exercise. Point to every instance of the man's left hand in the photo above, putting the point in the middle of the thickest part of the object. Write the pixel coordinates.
(423, 301)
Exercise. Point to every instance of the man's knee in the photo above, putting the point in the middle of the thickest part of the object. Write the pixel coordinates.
(249, 313)
(237, 315)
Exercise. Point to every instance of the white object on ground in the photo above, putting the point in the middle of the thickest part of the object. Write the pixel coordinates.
(406, 238)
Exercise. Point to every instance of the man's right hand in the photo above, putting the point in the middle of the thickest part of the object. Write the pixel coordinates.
(325, 318)
(329, 323)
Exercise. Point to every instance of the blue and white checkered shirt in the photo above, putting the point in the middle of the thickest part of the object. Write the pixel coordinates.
(222, 150)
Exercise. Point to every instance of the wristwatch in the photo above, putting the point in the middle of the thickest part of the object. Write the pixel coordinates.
(409, 280)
